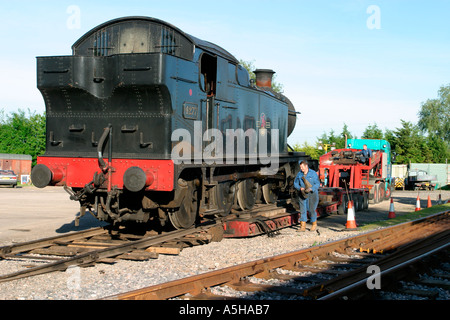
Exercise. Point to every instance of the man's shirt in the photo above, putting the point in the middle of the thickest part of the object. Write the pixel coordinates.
(311, 177)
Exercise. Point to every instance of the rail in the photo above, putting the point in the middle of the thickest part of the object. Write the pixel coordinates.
(363, 244)
(17, 251)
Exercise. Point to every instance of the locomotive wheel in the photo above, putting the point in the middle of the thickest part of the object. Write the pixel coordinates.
(225, 193)
(185, 216)
(270, 192)
(247, 192)
(295, 200)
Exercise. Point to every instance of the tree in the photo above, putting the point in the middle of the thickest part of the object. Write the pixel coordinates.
(439, 149)
(338, 141)
(434, 120)
(328, 139)
(373, 132)
(21, 134)
(409, 145)
(434, 115)
(311, 151)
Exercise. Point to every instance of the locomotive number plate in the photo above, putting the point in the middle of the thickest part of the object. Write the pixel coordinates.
(190, 111)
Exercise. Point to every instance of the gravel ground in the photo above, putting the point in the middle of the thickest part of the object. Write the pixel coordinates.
(103, 280)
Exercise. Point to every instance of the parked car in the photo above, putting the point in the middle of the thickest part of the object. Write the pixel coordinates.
(8, 177)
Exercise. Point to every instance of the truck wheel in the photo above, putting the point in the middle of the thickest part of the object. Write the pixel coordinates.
(376, 193)
(382, 192)
(355, 202)
(361, 202)
(358, 202)
(342, 208)
(366, 201)
(387, 196)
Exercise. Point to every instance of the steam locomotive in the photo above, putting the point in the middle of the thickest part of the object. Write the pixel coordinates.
(146, 123)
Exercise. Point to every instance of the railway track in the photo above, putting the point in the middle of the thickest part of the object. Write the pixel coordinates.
(336, 270)
(101, 245)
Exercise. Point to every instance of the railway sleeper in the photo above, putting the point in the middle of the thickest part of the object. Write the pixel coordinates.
(420, 292)
(313, 276)
(435, 283)
(425, 288)
(282, 288)
(59, 251)
(138, 255)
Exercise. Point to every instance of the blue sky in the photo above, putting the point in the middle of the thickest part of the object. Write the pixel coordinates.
(336, 66)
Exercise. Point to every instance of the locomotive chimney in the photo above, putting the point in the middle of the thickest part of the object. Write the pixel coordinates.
(264, 78)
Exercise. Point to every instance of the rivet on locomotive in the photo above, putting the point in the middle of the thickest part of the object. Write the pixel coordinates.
(112, 108)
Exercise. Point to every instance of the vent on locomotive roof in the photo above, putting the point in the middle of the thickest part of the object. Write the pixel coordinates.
(264, 78)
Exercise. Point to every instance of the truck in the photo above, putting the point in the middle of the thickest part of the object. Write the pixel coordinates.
(346, 174)
(420, 180)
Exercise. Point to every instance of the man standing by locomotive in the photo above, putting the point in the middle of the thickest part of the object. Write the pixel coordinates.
(307, 182)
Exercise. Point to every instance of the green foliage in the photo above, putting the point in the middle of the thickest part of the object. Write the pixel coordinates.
(434, 120)
(439, 149)
(428, 141)
(337, 141)
(434, 115)
(373, 132)
(311, 151)
(410, 145)
(22, 134)
(324, 143)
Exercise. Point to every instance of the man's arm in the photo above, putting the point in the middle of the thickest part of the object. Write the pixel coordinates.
(297, 182)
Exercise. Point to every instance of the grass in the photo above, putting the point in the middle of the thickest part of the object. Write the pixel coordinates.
(407, 217)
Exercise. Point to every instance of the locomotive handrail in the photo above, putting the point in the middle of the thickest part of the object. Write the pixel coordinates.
(105, 134)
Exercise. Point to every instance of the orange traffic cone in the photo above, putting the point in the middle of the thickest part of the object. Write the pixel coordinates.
(391, 210)
(351, 223)
(418, 203)
(429, 202)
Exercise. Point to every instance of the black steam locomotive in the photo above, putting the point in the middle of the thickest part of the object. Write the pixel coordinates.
(147, 123)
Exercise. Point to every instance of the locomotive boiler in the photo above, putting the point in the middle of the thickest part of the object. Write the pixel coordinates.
(146, 123)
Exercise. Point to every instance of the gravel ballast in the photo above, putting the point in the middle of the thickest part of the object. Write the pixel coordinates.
(103, 280)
